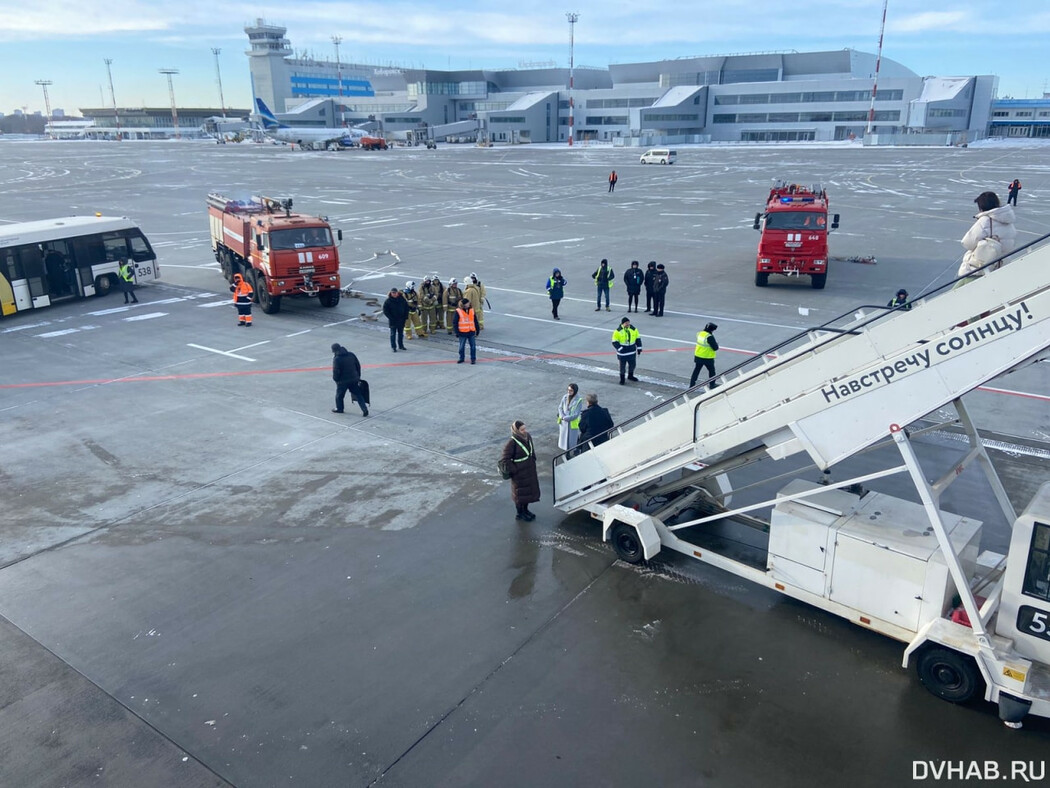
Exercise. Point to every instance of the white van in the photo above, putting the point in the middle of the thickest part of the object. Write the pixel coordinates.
(659, 156)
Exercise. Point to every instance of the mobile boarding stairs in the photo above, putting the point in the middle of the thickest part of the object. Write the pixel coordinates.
(831, 392)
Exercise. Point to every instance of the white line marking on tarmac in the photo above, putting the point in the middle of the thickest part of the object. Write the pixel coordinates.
(215, 303)
(297, 333)
(58, 333)
(548, 243)
(220, 352)
(254, 344)
(113, 311)
(148, 316)
(24, 328)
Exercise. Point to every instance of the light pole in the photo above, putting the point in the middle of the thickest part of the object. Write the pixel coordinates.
(218, 74)
(47, 105)
(572, 16)
(171, 94)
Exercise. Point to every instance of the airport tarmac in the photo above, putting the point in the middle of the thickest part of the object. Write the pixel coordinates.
(207, 578)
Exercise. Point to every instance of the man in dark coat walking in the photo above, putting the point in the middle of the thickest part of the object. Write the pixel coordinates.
(595, 423)
(396, 310)
(346, 372)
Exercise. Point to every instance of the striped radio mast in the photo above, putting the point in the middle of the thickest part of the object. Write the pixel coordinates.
(878, 62)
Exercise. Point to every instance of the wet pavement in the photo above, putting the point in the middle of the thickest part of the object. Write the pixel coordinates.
(207, 578)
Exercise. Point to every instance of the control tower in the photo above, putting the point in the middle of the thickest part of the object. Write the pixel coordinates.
(268, 64)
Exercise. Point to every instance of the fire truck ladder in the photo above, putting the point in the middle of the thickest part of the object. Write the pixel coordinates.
(830, 391)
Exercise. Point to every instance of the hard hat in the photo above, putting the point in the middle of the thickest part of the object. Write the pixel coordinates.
(453, 281)
(902, 292)
(426, 278)
(410, 285)
(237, 276)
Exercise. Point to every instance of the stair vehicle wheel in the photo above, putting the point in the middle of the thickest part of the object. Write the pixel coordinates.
(949, 675)
(818, 281)
(329, 298)
(761, 280)
(626, 543)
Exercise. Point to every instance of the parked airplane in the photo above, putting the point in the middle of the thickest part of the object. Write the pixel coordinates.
(314, 136)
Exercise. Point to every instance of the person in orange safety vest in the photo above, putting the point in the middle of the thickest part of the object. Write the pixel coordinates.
(242, 297)
(467, 331)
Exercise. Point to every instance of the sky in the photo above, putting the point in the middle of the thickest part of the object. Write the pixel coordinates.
(67, 41)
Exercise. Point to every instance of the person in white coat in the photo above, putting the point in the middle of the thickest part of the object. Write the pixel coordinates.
(992, 221)
(569, 418)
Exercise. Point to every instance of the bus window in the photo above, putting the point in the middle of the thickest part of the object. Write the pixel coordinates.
(116, 247)
(140, 248)
(32, 264)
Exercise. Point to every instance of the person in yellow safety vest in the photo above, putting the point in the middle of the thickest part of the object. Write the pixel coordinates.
(127, 281)
(453, 295)
(467, 330)
(242, 297)
(415, 318)
(704, 357)
(428, 304)
(628, 344)
(569, 410)
(603, 280)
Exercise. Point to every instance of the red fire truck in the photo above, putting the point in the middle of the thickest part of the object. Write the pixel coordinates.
(794, 230)
(278, 252)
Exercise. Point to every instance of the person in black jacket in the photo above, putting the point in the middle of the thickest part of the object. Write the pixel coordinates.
(396, 310)
(633, 278)
(595, 423)
(660, 282)
(346, 372)
(650, 272)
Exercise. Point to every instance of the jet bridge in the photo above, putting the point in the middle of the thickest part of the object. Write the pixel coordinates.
(831, 391)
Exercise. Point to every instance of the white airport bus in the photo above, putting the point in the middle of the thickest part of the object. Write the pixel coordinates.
(72, 257)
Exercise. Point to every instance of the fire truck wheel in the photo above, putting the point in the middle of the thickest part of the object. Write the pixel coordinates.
(949, 675)
(818, 281)
(761, 280)
(270, 304)
(103, 284)
(626, 543)
(329, 298)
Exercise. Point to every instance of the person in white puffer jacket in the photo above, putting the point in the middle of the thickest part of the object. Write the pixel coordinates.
(991, 219)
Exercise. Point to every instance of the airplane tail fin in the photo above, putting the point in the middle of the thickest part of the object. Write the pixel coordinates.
(269, 120)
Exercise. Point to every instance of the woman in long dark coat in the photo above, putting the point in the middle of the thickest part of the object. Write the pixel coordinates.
(519, 456)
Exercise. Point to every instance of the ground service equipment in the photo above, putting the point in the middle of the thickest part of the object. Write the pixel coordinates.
(280, 253)
(704, 474)
(794, 237)
(372, 143)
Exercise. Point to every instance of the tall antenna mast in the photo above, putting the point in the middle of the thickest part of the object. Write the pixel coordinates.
(48, 129)
(875, 82)
(112, 95)
(218, 73)
(573, 17)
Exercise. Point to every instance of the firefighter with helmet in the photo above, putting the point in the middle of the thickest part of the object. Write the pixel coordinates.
(428, 305)
(453, 295)
(242, 297)
(415, 318)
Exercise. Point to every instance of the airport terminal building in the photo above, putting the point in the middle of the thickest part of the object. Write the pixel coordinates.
(774, 96)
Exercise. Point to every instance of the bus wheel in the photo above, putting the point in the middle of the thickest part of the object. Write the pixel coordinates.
(761, 280)
(103, 284)
(949, 675)
(818, 281)
(329, 298)
(626, 543)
